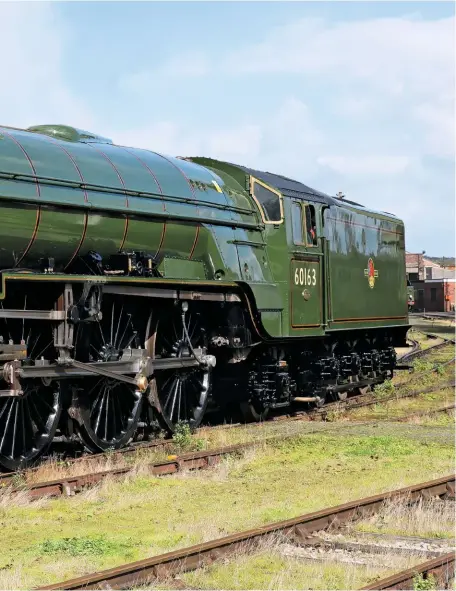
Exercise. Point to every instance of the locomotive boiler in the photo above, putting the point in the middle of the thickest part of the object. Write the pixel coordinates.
(138, 288)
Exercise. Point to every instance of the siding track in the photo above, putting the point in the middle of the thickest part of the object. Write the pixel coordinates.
(70, 485)
(441, 568)
(297, 529)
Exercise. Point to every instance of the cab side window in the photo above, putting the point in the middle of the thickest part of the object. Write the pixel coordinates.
(269, 201)
(297, 222)
(311, 226)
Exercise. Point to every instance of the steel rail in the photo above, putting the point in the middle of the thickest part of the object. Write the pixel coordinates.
(432, 411)
(167, 444)
(416, 347)
(418, 352)
(370, 401)
(297, 529)
(442, 569)
(70, 485)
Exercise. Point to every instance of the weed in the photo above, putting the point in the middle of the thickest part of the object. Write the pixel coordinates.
(423, 584)
(383, 446)
(384, 389)
(18, 481)
(427, 518)
(422, 365)
(83, 546)
(439, 368)
(182, 436)
(183, 439)
(331, 416)
(167, 513)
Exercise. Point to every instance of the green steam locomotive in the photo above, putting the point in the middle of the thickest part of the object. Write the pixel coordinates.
(138, 290)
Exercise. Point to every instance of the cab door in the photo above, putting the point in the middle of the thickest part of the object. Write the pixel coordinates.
(306, 268)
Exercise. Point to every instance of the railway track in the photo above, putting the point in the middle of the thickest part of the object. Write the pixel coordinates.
(68, 485)
(441, 569)
(448, 409)
(300, 531)
(417, 352)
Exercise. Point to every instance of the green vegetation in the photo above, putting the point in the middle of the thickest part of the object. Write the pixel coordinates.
(120, 521)
(184, 441)
(398, 408)
(143, 515)
(439, 327)
(423, 365)
(422, 377)
(428, 518)
(270, 570)
(274, 566)
(83, 546)
(385, 389)
(423, 584)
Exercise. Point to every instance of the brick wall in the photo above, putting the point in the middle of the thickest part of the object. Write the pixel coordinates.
(449, 299)
(436, 296)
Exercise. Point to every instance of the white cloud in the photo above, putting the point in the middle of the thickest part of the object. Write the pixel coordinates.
(394, 54)
(33, 88)
(265, 143)
(403, 67)
(439, 124)
(353, 106)
(365, 165)
(193, 64)
(174, 139)
(389, 107)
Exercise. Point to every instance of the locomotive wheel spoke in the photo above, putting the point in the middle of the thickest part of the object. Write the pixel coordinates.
(29, 421)
(109, 410)
(183, 393)
(109, 415)
(28, 424)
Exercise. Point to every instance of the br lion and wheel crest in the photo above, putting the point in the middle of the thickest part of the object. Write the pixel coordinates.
(371, 273)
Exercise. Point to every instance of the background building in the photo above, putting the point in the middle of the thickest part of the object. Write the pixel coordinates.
(434, 284)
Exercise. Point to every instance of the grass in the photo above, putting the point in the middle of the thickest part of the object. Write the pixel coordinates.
(427, 518)
(276, 564)
(272, 570)
(437, 326)
(70, 537)
(83, 546)
(444, 419)
(400, 408)
(121, 521)
(405, 382)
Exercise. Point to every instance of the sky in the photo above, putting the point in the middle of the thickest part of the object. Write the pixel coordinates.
(355, 97)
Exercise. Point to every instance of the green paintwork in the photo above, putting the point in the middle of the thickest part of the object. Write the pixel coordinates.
(354, 239)
(65, 192)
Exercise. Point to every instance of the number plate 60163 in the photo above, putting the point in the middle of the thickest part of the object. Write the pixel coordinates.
(305, 276)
